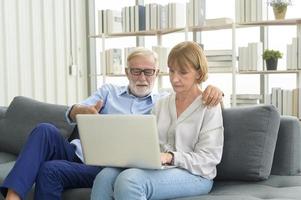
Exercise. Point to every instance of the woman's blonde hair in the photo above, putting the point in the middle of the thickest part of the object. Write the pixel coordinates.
(144, 52)
(189, 53)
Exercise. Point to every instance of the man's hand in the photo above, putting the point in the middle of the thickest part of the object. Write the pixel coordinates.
(212, 96)
(166, 158)
(81, 109)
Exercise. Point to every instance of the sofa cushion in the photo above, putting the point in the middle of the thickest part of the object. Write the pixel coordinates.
(250, 135)
(5, 169)
(7, 157)
(22, 115)
(275, 188)
(2, 111)
(287, 157)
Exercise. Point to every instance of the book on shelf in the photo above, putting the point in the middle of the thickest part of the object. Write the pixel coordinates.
(127, 19)
(162, 17)
(153, 16)
(124, 19)
(113, 61)
(127, 51)
(139, 18)
(218, 21)
(292, 55)
(243, 58)
(250, 57)
(299, 102)
(219, 58)
(219, 52)
(176, 15)
(100, 21)
(109, 21)
(295, 53)
(248, 96)
(199, 13)
(250, 10)
(190, 13)
(220, 63)
(276, 98)
(221, 69)
(239, 11)
(132, 18)
(299, 46)
(162, 57)
(114, 21)
(196, 12)
(287, 101)
(255, 50)
(295, 99)
(289, 57)
(246, 99)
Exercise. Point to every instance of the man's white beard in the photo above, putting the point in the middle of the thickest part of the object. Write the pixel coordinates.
(140, 91)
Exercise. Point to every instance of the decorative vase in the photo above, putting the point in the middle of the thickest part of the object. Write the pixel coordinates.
(271, 64)
(279, 11)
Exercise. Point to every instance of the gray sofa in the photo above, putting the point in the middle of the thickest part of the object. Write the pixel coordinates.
(261, 159)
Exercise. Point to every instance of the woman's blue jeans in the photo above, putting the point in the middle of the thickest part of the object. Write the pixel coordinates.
(120, 183)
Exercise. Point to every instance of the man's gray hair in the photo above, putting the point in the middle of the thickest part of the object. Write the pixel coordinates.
(144, 52)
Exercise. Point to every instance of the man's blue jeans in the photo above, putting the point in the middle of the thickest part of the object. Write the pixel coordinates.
(48, 160)
(134, 184)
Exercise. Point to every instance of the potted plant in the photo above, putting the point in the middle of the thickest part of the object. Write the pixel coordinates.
(279, 7)
(271, 58)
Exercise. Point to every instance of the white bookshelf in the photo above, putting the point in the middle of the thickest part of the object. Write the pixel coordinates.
(219, 24)
(265, 74)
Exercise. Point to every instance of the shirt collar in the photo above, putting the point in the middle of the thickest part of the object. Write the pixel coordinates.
(126, 91)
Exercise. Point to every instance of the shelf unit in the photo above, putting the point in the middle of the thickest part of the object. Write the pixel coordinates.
(285, 22)
(264, 75)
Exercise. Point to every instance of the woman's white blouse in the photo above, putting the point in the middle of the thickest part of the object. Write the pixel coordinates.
(195, 138)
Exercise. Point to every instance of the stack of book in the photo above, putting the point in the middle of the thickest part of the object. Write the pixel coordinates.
(250, 57)
(250, 10)
(112, 61)
(246, 99)
(133, 18)
(109, 21)
(292, 55)
(286, 101)
(219, 60)
(196, 12)
(170, 16)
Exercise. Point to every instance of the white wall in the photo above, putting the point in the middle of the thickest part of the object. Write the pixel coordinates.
(36, 50)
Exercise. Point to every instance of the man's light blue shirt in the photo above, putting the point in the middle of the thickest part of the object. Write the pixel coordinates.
(117, 100)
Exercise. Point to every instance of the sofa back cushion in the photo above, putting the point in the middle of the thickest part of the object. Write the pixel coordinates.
(2, 111)
(250, 135)
(22, 115)
(287, 157)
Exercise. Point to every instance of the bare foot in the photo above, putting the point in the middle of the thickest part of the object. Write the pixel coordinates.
(12, 195)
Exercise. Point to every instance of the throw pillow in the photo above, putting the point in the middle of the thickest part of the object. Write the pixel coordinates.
(250, 135)
(22, 115)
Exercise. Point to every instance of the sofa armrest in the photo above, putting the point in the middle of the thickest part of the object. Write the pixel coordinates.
(287, 156)
(2, 111)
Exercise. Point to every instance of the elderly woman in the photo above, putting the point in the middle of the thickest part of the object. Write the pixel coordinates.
(190, 134)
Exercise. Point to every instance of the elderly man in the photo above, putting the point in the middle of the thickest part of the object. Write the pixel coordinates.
(54, 164)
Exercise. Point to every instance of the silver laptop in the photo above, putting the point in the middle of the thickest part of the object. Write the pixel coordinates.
(120, 140)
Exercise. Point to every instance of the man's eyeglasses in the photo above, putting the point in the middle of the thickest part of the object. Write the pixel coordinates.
(146, 72)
